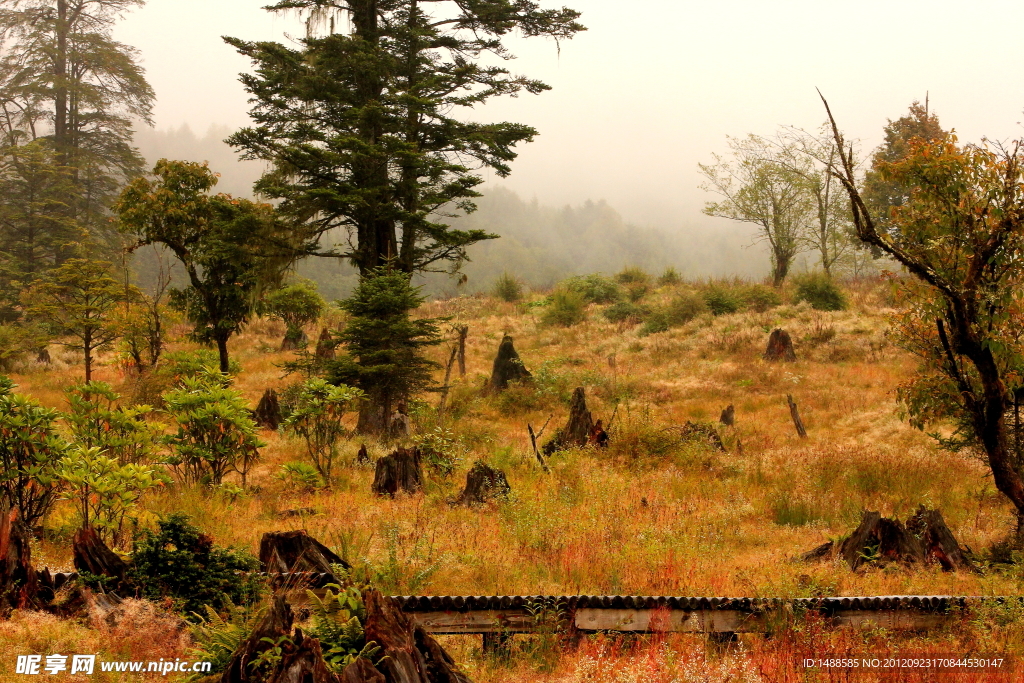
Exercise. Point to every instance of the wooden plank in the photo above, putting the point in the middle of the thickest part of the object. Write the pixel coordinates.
(898, 620)
(663, 620)
(477, 621)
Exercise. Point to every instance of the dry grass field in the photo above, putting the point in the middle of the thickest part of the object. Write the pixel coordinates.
(648, 515)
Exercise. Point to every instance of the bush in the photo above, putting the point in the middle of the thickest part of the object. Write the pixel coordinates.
(656, 322)
(625, 311)
(761, 298)
(722, 300)
(179, 563)
(670, 277)
(338, 625)
(96, 420)
(820, 291)
(633, 275)
(296, 305)
(440, 451)
(316, 417)
(565, 309)
(300, 476)
(180, 364)
(684, 308)
(508, 288)
(596, 289)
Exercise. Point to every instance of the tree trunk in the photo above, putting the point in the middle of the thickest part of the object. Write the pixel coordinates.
(508, 367)
(400, 471)
(483, 483)
(296, 551)
(780, 347)
(91, 555)
(19, 583)
(576, 432)
(325, 346)
(87, 350)
(268, 410)
(463, 333)
(222, 352)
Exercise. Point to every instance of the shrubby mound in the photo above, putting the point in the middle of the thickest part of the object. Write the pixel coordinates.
(594, 289)
(820, 291)
(565, 309)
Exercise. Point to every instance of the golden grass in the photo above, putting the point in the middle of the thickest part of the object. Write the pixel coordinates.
(648, 516)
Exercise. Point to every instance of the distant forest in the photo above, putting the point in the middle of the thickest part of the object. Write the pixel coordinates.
(539, 244)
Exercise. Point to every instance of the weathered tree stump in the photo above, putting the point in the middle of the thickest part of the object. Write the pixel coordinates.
(363, 456)
(268, 410)
(411, 655)
(296, 551)
(400, 471)
(728, 417)
(795, 414)
(483, 483)
(463, 331)
(19, 583)
(576, 432)
(780, 347)
(276, 622)
(880, 540)
(324, 346)
(508, 367)
(91, 555)
(43, 356)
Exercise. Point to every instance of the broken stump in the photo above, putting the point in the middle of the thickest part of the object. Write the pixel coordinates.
(324, 346)
(508, 367)
(19, 583)
(780, 347)
(268, 410)
(91, 555)
(483, 483)
(576, 432)
(296, 551)
(400, 471)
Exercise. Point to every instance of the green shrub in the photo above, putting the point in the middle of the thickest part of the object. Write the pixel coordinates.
(121, 432)
(760, 298)
(820, 291)
(338, 625)
(316, 417)
(596, 289)
(300, 476)
(202, 361)
(656, 322)
(670, 277)
(633, 275)
(722, 300)
(218, 637)
(296, 305)
(179, 563)
(508, 288)
(625, 311)
(440, 451)
(684, 308)
(565, 309)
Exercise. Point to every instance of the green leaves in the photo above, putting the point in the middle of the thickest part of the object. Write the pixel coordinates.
(316, 418)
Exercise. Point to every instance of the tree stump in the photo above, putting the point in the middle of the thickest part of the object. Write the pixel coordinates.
(728, 417)
(780, 347)
(276, 622)
(363, 456)
(411, 654)
(294, 340)
(576, 432)
(400, 471)
(268, 410)
(483, 483)
(43, 356)
(508, 367)
(19, 583)
(296, 551)
(91, 555)
(924, 538)
(695, 432)
(324, 346)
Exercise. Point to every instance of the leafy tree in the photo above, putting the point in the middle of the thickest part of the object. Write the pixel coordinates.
(216, 433)
(30, 453)
(960, 233)
(882, 192)
(64, 78)
(232, 249)
(96, 421)
(105, 491)
(296, 305)
(758, 185)
(79, 300)
(316, 418)
(179, 562)
(361, 127)
(384, 346)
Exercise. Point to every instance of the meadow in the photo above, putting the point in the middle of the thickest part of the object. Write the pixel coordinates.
(652, 514)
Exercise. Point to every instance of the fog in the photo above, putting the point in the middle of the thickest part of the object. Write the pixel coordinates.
(650, 90)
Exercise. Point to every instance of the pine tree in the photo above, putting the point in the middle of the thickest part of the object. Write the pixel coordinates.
(361, 128)
(385, 346)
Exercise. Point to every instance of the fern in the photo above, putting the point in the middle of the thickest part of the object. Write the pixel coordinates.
(338, 625)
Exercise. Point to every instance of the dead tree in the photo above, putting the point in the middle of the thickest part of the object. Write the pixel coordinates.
(268, 410)
(463, 331)
(483, 483)
(400, 471)
(324, 346)
(19, 584)
(508, 367)
(780, 347)
(576, 432)
(534, 438)
(91, 555)
(296, 551)
(795, 414)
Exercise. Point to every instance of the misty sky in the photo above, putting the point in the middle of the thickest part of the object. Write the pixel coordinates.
(652, 88)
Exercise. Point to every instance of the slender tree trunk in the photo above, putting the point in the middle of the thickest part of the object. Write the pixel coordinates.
(87, 349)
(60, 89)
(222, 351)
